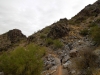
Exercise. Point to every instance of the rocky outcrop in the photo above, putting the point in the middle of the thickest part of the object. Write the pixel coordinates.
(73, 53)
(89, 11)
(10, 38)
(59, 29)
(15, 35)
(49, 62)
(1, 73)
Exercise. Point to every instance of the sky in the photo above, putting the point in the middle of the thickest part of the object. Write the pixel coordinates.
(32, 15)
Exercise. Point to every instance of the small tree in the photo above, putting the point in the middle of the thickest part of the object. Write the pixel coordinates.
(23, 61)
(84, 32)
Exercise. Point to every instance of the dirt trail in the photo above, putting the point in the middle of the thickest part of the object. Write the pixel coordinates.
(59, 70)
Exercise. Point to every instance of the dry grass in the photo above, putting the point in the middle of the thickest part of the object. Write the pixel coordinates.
(85, 63)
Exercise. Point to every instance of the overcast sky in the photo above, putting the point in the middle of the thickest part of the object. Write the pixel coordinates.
(32, 15)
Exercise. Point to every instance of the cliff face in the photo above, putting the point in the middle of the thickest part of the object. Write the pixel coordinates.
(10, 38)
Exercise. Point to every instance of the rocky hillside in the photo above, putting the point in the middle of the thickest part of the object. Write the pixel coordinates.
(59, 29)
(90, 11)
(73, 41)
(10, 39)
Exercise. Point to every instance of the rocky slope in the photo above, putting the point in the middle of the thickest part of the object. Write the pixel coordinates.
(68, 40)
(90, 11)
(75, 42)
(11, 38)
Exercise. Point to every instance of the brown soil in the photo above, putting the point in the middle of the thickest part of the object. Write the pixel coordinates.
(59, 71)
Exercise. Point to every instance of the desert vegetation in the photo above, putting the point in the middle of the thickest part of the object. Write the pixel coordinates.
(95, 33)
(55, 42)
(22, 61)
(84, 32)
(86, 64)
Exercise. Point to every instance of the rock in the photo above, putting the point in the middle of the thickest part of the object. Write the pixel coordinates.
(59, 29)
(53, 68)
(53, 62)
(49, 61)
(1, 73)
(48, 66)
(66, 58)
(67, 47)
(47, 74)
(52, 72)
(93, 43)
(73, 72)
(73, 53)
(66, 64)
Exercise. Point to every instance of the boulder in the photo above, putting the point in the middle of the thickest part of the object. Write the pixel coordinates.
(49, 61)
(73, 53)
(59, 29)
(66, 58)
(66, 64)
(53, 68)
(1, 73)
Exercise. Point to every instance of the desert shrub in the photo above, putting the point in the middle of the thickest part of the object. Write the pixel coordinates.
(42, 36)
(86, 63)
(46, 30)
(93, 24)
(22, 61)
(58, 44)
(84, 32)
(71, 22)
(49, 41)
(54, 42)
(95, 34)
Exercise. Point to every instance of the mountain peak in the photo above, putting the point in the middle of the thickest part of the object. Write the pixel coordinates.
(15, 35)
(10, 38)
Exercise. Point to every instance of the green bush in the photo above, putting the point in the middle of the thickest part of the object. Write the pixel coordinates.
(95, 34)
(84, 32)
(22, 61)
(42, 36)
(46, 30)
(49, 41)
(58, 44)
(55, 42)
(93, 24)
